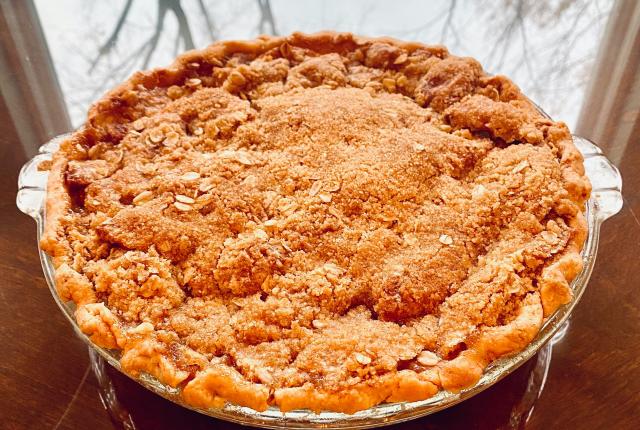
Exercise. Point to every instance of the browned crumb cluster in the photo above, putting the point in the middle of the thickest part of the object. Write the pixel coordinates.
(323, 221)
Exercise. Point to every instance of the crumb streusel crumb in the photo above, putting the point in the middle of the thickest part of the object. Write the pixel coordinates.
(318, 221)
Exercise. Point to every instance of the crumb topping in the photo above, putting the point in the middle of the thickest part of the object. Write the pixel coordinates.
(292, 220)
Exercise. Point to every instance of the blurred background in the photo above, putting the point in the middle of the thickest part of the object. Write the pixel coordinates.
(571, 57)
(547, 48)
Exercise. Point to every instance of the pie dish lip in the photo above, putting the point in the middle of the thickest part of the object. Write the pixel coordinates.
(212, 383)
(605, 201)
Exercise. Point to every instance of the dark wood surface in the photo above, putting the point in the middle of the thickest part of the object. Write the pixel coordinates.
(593, 379)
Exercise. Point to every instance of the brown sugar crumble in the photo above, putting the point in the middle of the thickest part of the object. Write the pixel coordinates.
(317, 221)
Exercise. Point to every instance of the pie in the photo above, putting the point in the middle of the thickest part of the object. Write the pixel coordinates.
(323, 221)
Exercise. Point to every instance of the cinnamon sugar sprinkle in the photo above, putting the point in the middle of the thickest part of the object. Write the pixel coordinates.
(364, 214)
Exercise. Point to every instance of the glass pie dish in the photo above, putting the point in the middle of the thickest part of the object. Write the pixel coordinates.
(605, 201)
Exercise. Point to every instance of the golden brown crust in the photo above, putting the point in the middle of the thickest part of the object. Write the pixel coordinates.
(491, 343)
(100, 325)
(403, 386)
(217, 385)
(315, 221)
(57, 205)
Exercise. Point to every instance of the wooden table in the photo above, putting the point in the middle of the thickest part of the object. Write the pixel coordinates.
(592, 380)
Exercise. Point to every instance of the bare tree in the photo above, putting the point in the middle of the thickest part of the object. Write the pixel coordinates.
(266, 18)
(184, 32)
(111, 41)
(522, 39)
(213, 34)
(149, 46)
(448, 22)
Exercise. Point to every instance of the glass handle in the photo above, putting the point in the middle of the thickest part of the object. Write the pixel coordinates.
(605, 178)
(32, 183)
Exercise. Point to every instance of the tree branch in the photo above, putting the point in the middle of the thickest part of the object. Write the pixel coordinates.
(183, 25)
(213, 34)
(111, 41)
(266, 17)
(448, 22)
(163, 6)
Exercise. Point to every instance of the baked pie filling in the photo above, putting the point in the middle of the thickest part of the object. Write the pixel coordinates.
(317, 221)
